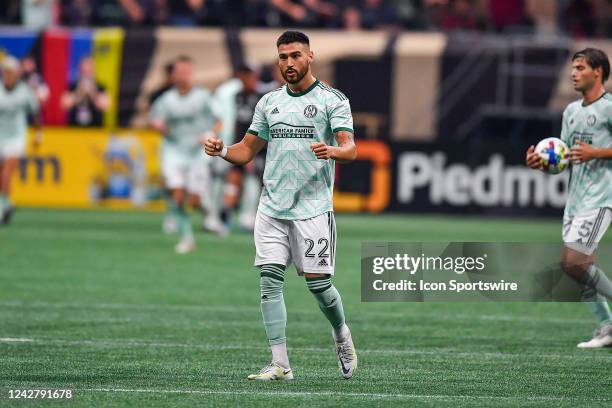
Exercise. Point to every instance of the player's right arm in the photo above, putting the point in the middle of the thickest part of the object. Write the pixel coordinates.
(239, 153)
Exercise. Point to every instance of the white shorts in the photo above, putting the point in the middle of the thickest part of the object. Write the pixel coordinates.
(14, 147)
(583, 232)
(192, 177)
(310, 244)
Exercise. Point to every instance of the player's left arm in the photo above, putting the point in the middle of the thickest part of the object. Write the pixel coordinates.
(341, 123)
(583, 152)
(345, 152)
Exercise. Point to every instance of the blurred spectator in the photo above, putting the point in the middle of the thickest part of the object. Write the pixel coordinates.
(87, 100)
(185, 13)
(509, 15)
(77, 12)
(411, 14)
(38, 14)
(245, 12)
(166, 85)
(34, 80)
(578, 18)
(9, 11)
(377, 14)
(305, 13)
(450, 15)
(114, 12)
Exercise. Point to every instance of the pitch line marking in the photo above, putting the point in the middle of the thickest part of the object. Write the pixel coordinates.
(15, 340)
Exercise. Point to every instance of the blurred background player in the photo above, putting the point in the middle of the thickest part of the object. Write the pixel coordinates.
(308, 126)
(17, 101)
(237, 98)
(186, 115)
(587, 129)
(86, 100)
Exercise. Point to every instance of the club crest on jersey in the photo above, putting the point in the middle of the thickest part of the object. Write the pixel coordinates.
(310, 111)
(591, 120)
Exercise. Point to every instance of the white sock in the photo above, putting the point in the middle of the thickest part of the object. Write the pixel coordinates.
(341, 333)
(279, 354)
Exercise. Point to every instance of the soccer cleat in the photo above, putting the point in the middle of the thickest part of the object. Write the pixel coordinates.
(216, 226)
(272, 372)
(347, 357)
(602, 337)
(185, 246)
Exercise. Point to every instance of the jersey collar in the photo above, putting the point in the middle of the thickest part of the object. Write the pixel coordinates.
(304, 92)
(584, 105)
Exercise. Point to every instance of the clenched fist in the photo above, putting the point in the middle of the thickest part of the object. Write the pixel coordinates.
(322, 151)
(213, 146)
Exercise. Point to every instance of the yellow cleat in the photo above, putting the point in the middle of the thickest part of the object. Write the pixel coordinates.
(272, 372)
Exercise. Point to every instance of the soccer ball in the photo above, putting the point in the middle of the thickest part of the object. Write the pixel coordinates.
(554, 155)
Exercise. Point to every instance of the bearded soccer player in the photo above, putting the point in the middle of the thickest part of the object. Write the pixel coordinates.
(308, 126)
(587, 129)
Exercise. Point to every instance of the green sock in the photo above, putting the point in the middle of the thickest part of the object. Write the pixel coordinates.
(328, 298)
(598, 305)
(3, 203)
(598, 280)
(171, 208)
(183, 223)
(272, 303)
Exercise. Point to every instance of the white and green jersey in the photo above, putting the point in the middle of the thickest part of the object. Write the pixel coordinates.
(297, 185)
(15, 105)
(590, 185)
(186, 117)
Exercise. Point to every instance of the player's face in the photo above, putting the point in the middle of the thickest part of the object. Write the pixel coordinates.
(10, 77)
(583, 75)
(182, 74)
(294, 61)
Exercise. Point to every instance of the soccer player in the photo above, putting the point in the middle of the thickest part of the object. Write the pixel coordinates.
(587, 129)
(186, 115)
(16, 101)
(307, 126)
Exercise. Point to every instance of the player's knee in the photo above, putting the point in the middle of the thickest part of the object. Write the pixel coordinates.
(178, 195)
(318, 284)
(577, 271)
(272, 281)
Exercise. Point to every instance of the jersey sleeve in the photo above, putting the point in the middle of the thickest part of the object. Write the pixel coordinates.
(158, 110)
(259, 126)
(340, 117)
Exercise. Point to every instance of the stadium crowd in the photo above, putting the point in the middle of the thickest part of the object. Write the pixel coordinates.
(578, 18)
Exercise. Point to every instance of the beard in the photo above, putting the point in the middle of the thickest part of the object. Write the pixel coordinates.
(298, 75)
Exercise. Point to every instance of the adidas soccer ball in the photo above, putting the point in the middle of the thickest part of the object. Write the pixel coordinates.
(554, 155)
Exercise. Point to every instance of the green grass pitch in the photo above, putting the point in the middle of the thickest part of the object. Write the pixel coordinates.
(98, 302)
